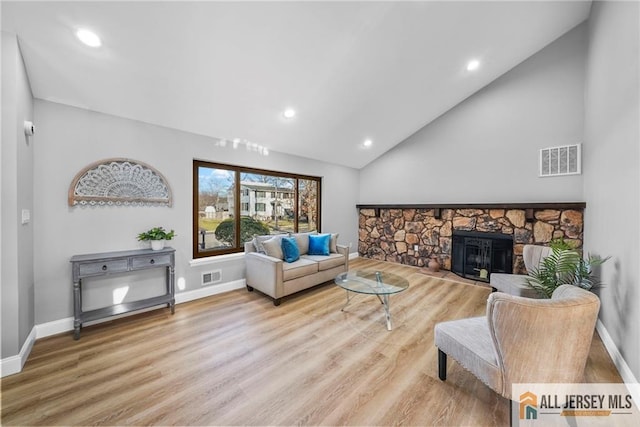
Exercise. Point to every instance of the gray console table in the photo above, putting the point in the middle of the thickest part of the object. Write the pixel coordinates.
(102, 264)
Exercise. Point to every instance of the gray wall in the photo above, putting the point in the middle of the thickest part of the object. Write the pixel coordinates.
(70, 138)
(486, 148)
(612, 177)
(17, 282)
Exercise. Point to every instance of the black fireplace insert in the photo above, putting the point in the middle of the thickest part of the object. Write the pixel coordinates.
(475, 255)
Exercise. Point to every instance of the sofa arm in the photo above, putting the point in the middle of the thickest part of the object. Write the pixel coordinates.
(264, 273)
(344, 250)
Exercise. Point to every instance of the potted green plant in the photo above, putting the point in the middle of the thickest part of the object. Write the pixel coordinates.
(564, 265)
(157, 236)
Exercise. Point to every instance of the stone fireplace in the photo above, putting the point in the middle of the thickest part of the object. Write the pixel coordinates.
(412, 234)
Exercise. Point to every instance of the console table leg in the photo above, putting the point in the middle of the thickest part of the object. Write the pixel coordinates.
(77, 309)
(172, 287)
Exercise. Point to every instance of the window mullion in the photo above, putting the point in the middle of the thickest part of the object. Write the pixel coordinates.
(237, 209)
(296, 206)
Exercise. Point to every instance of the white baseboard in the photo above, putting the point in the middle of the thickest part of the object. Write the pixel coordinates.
(623, 369)
(208, 291)
(55, 327)
(354, 255)
(13, 365)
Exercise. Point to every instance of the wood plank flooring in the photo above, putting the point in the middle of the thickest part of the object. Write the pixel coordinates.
(235, 359)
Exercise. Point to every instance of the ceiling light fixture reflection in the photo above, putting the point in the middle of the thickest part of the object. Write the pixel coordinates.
(249, 146)
(473, 65)
(289, 113)
(367, 143)
(88, 37)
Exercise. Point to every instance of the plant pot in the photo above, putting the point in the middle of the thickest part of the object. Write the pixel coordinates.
(434, 265)
(156, 245)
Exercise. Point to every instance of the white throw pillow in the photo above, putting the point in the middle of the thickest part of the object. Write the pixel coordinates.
(258, 243)
(273, 247)
(333, 243)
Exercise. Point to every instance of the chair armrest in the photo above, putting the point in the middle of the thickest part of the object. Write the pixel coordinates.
(264, 273)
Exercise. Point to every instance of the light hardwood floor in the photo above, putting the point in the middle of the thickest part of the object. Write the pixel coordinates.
(235, 359)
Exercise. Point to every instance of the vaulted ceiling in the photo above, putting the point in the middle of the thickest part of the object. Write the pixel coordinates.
(351, 70)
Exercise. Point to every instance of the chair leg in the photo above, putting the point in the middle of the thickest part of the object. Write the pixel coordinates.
(442, 365)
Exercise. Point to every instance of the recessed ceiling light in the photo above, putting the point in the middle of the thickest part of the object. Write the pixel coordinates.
(367, 143)
(88, 37)
(473, 65)
(289, 113)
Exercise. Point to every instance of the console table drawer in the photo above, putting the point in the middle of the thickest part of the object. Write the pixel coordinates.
(150, 261)
(104, 267)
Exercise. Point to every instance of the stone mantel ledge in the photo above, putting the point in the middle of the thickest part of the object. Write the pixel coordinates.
(527, 207)
(532, 205)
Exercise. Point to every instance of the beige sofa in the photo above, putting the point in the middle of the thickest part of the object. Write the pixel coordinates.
(270, 274)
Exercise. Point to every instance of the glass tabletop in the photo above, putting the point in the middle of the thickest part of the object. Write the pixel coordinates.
(371, 282)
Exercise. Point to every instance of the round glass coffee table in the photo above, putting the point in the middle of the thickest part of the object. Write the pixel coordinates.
(378, 283)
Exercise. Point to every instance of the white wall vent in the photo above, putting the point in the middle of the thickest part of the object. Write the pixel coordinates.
(557, 161)
(211, 277)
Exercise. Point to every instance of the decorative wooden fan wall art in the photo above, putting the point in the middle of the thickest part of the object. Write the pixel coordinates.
(119, 181)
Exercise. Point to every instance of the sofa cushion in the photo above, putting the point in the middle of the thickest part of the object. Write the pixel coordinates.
(325, 262)
(299, 268)
(319, 244)
(303, 241)
(273, 247)
(290, 249)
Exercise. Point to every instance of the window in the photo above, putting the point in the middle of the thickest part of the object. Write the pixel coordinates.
(232, 204)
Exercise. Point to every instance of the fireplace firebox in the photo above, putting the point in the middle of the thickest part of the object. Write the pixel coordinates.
(476, 255)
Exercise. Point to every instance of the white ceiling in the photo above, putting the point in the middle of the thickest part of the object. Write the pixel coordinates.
(352, 70)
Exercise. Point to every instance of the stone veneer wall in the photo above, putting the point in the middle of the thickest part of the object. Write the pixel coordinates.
(393, 234)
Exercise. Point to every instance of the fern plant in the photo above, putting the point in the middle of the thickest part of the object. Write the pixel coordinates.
(564, 266)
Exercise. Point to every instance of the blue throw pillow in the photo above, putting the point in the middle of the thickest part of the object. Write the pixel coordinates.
(319, 244)
(290, 249)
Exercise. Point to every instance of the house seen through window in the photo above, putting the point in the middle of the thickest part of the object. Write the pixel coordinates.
(233, 204)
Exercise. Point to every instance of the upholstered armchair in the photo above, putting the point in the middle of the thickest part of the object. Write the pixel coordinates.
(515, 284)
(523, 340)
